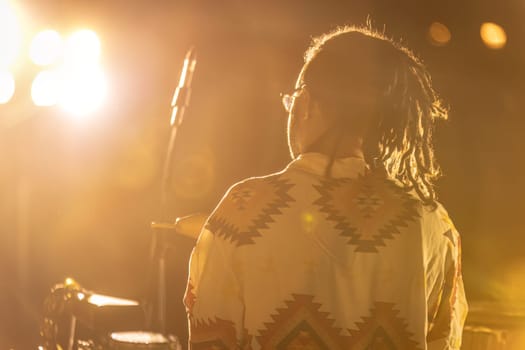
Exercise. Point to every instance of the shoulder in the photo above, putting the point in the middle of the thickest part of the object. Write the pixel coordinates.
(249, 206)
(439, 229)
(250, 191)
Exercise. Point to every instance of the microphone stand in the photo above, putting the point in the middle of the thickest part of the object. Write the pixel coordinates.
(159, 245)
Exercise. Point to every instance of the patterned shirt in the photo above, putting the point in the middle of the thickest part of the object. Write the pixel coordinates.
(299, 260)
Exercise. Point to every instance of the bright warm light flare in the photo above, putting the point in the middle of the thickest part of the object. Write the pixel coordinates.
(493, 35)
(84, 91)
(10, 34)
(7, 86)
(46, 88)
(105, 300)
(46, 47)
(83, 47)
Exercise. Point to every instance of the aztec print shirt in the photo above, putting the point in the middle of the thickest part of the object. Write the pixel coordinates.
(296, 260)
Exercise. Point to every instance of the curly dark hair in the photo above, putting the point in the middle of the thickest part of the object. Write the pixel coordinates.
(360, 67)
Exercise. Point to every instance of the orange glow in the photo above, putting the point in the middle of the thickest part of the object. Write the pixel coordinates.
(46, 89)
(139, 338)
(82, 47)
(46, 47)
(105, 300)
(493, 35)
(84, 90)
(10, 34)
(7, 86)
(439, 34)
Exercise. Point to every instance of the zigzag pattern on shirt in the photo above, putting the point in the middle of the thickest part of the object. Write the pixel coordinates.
(250, 207)
(301, 325)
(216, 334)
(382, 330)
(368, 210)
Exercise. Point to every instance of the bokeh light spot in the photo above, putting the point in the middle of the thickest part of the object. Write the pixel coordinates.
(493, 35)
(308, 218)
(82, 47)
(7, 86)
(10, 34)
(46, 88)
(439, 34)
(84, 91)
(46, 47)
(308, 221)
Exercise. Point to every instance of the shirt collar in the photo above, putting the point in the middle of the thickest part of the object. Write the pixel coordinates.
(316, 163)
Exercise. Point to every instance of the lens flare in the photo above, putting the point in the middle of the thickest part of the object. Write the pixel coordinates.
(7, 86)
(106, 300)
(46, 47)
(493, 35)
(46, 88)
(10, 34)
(439, 34)
(82, 47)
(84, 91)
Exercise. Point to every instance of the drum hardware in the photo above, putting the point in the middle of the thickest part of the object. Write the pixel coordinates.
(142, 340)
(72, 313)
(188, 226)
(494, 326)
(132, 341)
(72, 302)
(179, 104)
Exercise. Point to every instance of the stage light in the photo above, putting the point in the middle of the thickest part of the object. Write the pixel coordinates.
(82, 47)
(84, 91)
(46, 47)
(10, 34)
(493, 35)
(46, 88)
(439, 34)
(7, 86)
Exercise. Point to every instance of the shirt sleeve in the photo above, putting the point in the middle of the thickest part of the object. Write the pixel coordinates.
(213, 299)
(450, 308)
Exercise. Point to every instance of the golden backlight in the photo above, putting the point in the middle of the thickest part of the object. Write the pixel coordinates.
(493, 35)
(10, 34)
(82, 48)
(76, 82)
(83, 90)
(105, 300)
(46, 48)
(46, 88)
(7, 86)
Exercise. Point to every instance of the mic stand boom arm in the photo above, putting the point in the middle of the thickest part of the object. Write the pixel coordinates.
(159, 247)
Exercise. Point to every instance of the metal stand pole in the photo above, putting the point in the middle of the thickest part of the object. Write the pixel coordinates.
(159, 247)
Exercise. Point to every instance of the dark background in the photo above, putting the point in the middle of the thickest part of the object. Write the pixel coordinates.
(76, 199)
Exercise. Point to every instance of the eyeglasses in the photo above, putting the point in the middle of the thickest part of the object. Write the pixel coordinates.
(289, 99)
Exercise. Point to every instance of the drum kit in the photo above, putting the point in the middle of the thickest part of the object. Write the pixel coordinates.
(75, 318)
(78, 319)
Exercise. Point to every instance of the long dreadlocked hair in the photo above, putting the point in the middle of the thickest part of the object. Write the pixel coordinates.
(405, 104)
